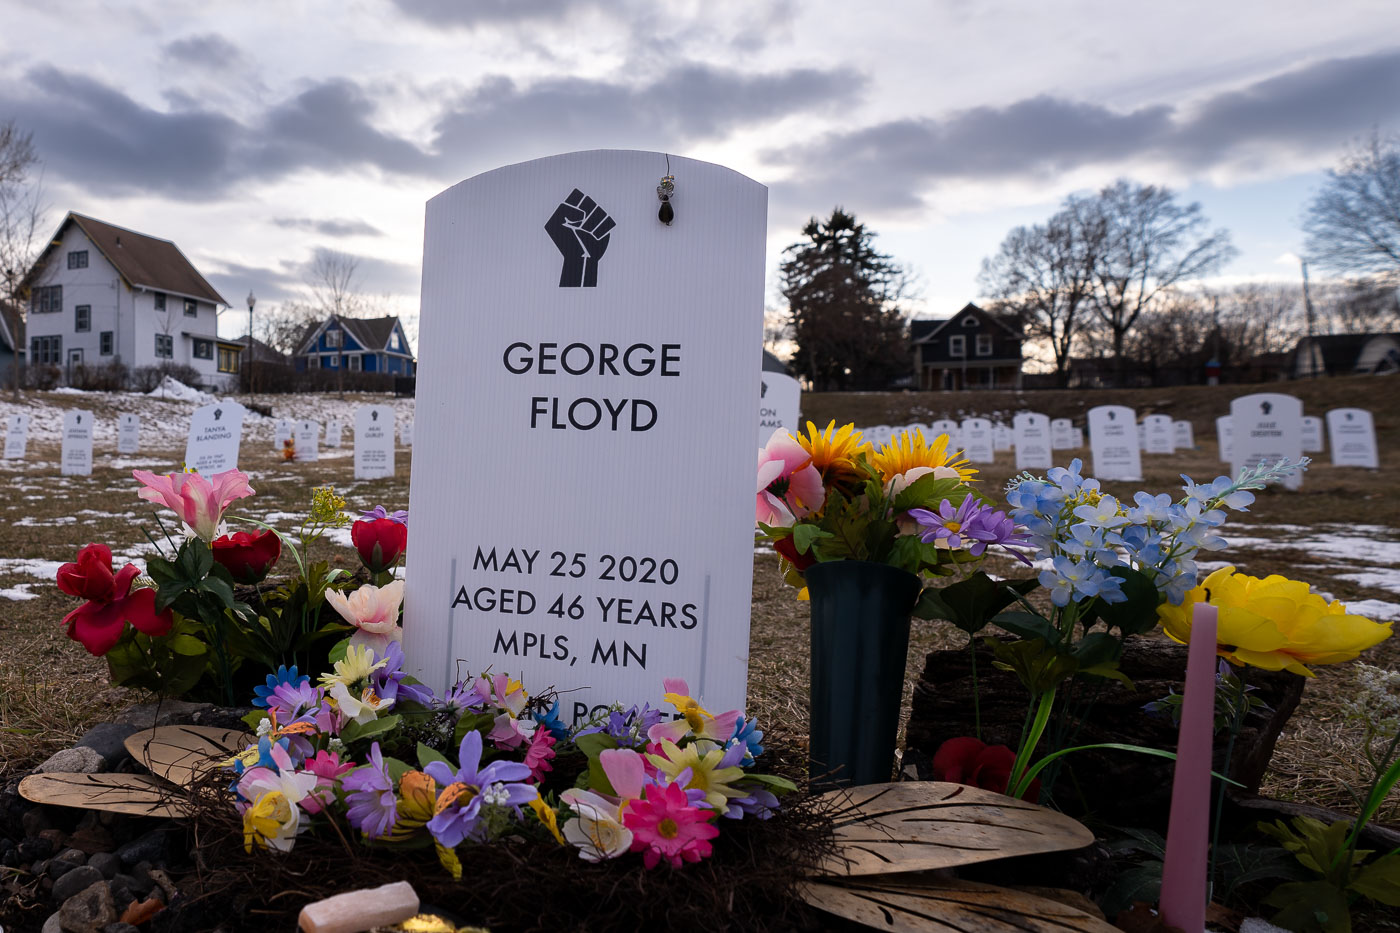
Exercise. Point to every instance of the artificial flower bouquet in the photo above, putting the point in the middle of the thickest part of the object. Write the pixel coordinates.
(828, 495)
(370, 747)
(183, 629)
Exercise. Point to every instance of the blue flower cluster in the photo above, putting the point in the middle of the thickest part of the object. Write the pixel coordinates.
(1085, 533)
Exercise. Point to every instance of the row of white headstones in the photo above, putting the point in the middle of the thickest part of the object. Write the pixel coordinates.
(216, 434)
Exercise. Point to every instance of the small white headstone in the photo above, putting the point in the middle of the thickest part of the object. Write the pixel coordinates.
(1113, 441)
(1267, 426)
(951, 428)
(128, 434)
(1002, 437)
(1225, 438)
(1078, 438)
(374, 441)
(1312, 434)
(977, 440)
(307, 438)
(333, 431)
(1159, 434)
(1032, 431)
(216, 431)
(283, 430)
(1183, 437)
(16, 436)
(406, 433)
(1352, 433)
(1142, 436)
(77, 443)
(779, 400)
(1061, 434)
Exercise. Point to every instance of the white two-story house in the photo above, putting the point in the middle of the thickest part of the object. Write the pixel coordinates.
(103, 294)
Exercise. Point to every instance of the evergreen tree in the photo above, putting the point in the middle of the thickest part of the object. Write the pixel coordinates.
(844, 307)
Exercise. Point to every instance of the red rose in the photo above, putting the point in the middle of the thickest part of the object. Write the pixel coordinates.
(788, 549)
(973, 762)
(98, 623)
(380, 542)
(248, 557)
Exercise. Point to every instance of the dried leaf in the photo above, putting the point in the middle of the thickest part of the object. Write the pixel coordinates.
(921, 825)
(182, 754)
(920, 904)
(133, 794)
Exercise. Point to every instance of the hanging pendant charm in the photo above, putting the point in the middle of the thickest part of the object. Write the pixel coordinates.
(665, 191)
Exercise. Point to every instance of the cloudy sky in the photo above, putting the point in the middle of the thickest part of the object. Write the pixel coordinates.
(256, 133)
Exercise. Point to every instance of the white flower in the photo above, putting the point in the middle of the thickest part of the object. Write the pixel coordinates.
(363, 709)
(597, 830)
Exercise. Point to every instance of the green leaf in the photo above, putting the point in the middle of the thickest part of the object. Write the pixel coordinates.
(337, 652)
(1310, 907)
(1097, 648)
(593, 745)
(186, 644)
(1028, 625)
(427, 755)
(928, 492)
(219, 589)
(1380, 880)
(778, 785)
(1138, 613)
(397, 769)
(972, 603)
(803, 536)
(357, 732)
(255, 718)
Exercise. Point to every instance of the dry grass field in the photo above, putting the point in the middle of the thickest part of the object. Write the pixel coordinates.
(1341, 532)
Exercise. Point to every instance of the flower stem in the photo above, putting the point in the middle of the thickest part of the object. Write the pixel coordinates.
(1019, 781)
(1236, 721)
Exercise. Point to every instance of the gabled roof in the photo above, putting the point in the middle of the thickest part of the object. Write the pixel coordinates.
(1339, 352)
(262, 353)
(372, 333)
(771, 364)
(143, 261)
(11, 327)
(968, 308)
(919, 329)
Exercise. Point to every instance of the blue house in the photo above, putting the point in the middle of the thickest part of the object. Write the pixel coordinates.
(369, 345)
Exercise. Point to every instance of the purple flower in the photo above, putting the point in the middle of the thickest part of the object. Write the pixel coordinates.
(629, 727)
(294, 701)
(947, 523)
(401, 516)
(986, 526)
(497, 783)
(388, 683)
(370, 797)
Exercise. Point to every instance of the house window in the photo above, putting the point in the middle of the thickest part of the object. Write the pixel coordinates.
(77, 259)
(192, 310)
(228, 360)
(969, 321)
(332, 338)
(313, 362)
(333, 362)
(159, 298)
(82, 317)
(165, 347)
(105, 343)
(957, 345)
(203, 349)
(984, 344)
(47, 298)
(46, 350)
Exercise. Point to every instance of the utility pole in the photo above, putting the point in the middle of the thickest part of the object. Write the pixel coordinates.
(1313, 355)
(251, 301)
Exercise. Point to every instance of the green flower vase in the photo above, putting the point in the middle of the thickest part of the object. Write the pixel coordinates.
(860, 640)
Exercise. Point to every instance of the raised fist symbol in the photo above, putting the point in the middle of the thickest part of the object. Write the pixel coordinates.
(1266, 407)
(763, 392)
(579, 229)
(374, 416)
(218, 413)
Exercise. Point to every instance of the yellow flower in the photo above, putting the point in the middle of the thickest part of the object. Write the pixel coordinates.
(704, 773)
(547, 816)
(835, 454)
(1274, 623)
(328, 508)
(270, 820)
(417, 803)
(357, 664)
(908, 450)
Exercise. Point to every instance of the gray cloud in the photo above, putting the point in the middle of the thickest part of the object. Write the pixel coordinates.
(292, 279)
(207, 51)
(484, 12)
(1309, 111)
(234, 280)
(330, 226)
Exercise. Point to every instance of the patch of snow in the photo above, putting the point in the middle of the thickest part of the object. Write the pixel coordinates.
(20, 591)
(30, 567)
(174, 389)
(30, 522)
(1376, 578)
(1374, 609)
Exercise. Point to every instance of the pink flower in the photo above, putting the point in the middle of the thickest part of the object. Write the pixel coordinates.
(665, 826)
(789, 487)
(509, 732)
(199, 502)
(539, 754)
(328, 769)
(374, 610)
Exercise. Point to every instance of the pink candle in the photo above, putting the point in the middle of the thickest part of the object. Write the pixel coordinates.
(1188, 832)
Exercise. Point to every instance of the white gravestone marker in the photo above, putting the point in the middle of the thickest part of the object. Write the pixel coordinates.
(1142, 436)
(1183, 436)
(949, 427)
(406, 433)
(613, 357)
(77, 443)
(1032, 431)
(283, 430)
(976, 434)
(1159, 434)
(128, 434)
(1312, 434)
(334, 428)
(1061, 434)
(216, 431)
(1267, 426)
(1002, 437)
(1225, 438)
(374, 441)
(307, 437)
(1113, 442)
(1078, 438)
(1353, 437)
(16, 436)
(779, 400)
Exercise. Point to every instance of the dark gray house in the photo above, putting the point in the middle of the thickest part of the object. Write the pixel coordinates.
(970, 350)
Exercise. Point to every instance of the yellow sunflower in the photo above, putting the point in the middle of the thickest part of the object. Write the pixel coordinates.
(835, 454)
(908, 449)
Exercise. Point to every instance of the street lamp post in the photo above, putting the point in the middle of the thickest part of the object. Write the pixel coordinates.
(251, 301)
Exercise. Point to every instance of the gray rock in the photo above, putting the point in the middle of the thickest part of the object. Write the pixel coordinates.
(89, 910)
(164, 713)
(138, 884)
(80, 878)
(120, 927)
(73, 761)
(35, 820)
(148, 848)
(53, 924)
(107, 863)
(106, 739)
(64, 862)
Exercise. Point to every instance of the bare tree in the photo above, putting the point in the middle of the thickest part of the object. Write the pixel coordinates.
(1171, 340)
(1152, 244)
(1353, 224)
(23, 216)
(1043, 277)
(1360, 305)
